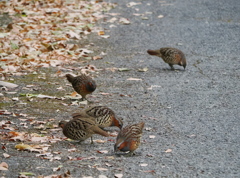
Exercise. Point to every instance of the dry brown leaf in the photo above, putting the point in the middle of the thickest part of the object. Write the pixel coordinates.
(74, 94)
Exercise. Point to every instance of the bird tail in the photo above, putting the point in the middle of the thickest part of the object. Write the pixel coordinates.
(141, 125)
(152, 52)
(70, 78)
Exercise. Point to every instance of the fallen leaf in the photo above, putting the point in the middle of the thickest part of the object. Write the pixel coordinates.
(168, 151)
(145, 69)
(109, 157)
(130, 4)
(150, 155)
(102, 151)
(124, 21)
(101, 169)
(8, 84)
(60, 88)
(101, 33)
(118, 175)
(3, 166)
(152, 136)
(123, 69)
(134, 79)
(72, 150)
(45, 96)
(100, 141)
(149, 171)
(148, 128)
(144, 18)
(105, 36)
(5, 155)
(112, 20)
(154, 86)
(27, 173)
(26, 147)
(102, 176)
(105, 93)
(56, 169)
(15, 99)
(97, 57)
(160, 16)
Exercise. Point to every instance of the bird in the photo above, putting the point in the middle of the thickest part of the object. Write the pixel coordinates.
(81, 128)
(104, 116)
(82, 84)
(172, 56)
(128, 138)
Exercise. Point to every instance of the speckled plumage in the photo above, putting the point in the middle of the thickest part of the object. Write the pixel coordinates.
(172, 56)
(129, 137)
(104, 116)
(81, 128)
(82, 84)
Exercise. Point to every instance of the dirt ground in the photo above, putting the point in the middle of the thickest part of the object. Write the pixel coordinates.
(191, 117)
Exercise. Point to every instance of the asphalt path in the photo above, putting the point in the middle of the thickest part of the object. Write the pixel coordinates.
(195, 112)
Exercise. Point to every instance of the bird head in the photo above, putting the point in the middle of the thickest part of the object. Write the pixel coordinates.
(62, 124)
(183, 63)
(120, 145)
(117, 121)
(91, 86)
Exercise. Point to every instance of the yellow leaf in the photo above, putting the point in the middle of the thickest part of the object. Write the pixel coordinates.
(23, 147)
(101, 33)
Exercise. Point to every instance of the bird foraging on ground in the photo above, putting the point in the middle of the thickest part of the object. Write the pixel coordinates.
(82, 84)
(104, 116)
(81, 128)
(128, 138)
(172, 56)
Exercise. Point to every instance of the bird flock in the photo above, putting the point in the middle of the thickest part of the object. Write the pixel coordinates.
(94, 119)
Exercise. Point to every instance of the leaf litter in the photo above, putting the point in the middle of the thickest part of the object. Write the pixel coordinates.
(40, 32)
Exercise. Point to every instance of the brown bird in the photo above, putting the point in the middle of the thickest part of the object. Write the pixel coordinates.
(82, 84)
(171, 56)
(104, 116)
(128, 138)
(81, 128)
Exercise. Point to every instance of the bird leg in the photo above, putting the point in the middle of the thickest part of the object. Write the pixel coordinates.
(92, 141)
(171, 66)
(130, 154)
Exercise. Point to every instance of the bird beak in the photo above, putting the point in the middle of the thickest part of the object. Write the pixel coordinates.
(115, 147)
